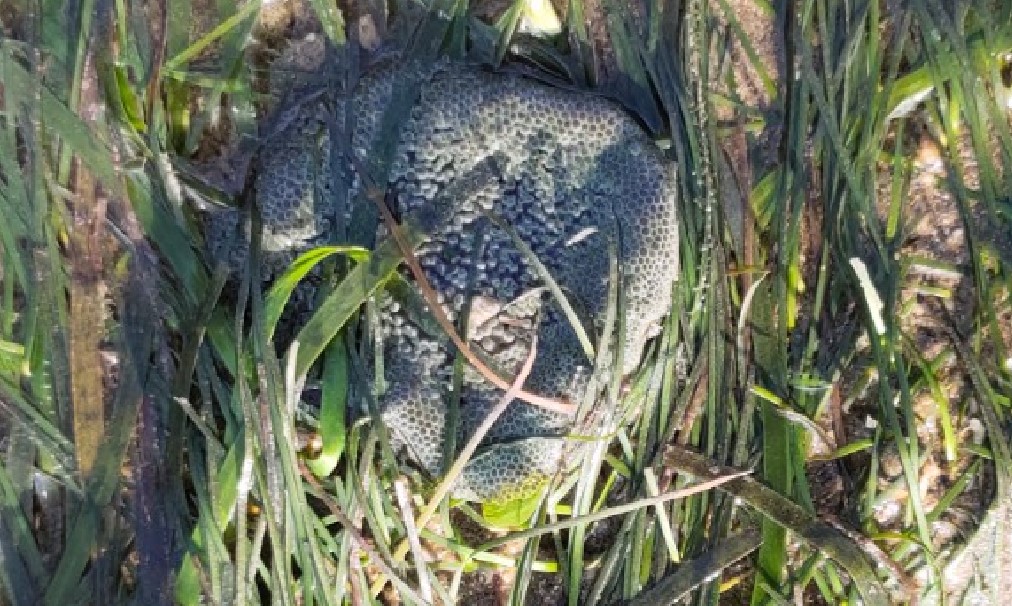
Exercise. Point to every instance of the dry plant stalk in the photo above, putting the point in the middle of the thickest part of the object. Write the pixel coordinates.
(560, 405)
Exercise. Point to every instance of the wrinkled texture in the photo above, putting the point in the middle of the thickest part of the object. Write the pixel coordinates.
(573, 173)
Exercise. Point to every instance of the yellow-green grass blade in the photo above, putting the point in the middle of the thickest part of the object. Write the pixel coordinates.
(282, 288)
(332, 428)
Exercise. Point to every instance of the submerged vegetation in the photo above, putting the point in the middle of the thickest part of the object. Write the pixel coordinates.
(825, 417)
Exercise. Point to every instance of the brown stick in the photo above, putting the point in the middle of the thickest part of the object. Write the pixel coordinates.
(429, 294)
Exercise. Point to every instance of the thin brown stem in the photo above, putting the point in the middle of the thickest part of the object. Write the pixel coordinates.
(560, 405)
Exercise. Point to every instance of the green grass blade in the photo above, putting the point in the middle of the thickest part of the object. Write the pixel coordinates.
(360, 284)
(790, 516)
(693, 573)
(281, 291)
(332, 428)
